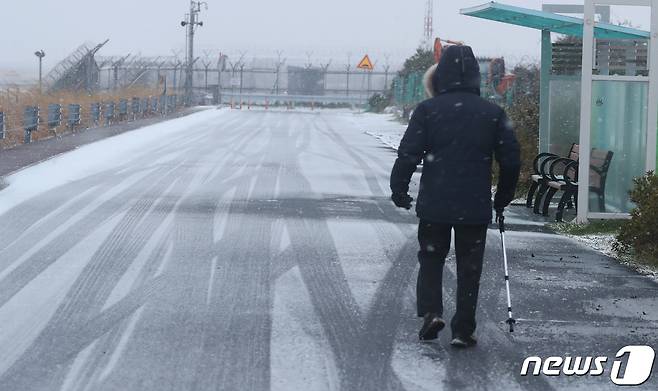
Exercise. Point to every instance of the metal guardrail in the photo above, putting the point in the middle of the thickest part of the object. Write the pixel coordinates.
(145, 105)
(30, 122)
(95, 113)
(75, 115)
(54, 115)
(109, 111)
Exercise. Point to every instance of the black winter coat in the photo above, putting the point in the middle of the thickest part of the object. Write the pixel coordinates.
(456, 134)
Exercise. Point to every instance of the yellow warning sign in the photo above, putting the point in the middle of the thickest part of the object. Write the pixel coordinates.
(366, 64)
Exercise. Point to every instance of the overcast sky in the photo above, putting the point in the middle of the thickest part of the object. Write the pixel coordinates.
(328, 28)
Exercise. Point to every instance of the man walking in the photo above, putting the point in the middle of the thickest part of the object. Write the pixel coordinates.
(456, 134)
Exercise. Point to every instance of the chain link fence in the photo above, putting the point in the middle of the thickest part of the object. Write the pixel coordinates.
(409, 90)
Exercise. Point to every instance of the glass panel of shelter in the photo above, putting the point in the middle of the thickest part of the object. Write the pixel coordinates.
(618, 110)
(618, 114)
(618, 143)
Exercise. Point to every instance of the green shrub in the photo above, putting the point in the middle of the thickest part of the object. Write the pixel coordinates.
(639, 234)
(418, 62)
(378, 102)
(524, 114)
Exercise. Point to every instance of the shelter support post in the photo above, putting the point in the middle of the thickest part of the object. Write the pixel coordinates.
(544, 90)
(652, 142)
(585, 113)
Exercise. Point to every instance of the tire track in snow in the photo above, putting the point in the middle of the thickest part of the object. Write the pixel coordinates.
(176, 320)
(240, 302)
(90, 291)
(57, 203)
(319, 264)
(146, 230)
(50, 251)
(380, 327)
(152, 268)
(16, 221)
(65, 237)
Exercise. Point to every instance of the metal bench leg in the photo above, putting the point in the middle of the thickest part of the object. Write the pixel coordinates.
(539, 197)
(566, 198)
(547, 200)
(531, 193)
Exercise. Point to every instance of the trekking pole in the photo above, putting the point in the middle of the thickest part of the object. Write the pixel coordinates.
(501, 226)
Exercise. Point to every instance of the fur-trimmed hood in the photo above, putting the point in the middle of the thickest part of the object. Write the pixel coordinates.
(427, 81)
(458, 70)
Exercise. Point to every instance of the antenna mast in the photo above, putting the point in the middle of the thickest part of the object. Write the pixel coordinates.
(429, 23)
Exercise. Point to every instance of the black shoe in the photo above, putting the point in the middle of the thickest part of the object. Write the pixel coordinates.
(463, 342)
(432, 324)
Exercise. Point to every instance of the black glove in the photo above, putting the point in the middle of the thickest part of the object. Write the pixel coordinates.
(500, 202)
(402, 200)
(499, 213)
(500, 219)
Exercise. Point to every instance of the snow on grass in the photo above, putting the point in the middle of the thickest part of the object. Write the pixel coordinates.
(384, 127)
(390, 140)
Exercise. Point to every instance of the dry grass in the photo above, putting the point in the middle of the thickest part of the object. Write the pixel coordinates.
(14, 100)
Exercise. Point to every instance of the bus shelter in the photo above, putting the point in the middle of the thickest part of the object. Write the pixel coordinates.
(598, 89)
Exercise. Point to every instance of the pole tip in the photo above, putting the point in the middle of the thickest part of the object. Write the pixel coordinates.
(511, 322)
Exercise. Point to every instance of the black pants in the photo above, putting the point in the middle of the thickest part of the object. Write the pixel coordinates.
(434, 239)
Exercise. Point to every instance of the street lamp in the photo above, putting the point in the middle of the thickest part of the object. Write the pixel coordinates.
(40, 54)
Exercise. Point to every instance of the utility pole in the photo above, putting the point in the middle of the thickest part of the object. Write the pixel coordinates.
(40, 54)
(191, 23)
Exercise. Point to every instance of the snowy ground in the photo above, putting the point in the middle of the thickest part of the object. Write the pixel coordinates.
(603, 243)
(254, 250)
(384, 127)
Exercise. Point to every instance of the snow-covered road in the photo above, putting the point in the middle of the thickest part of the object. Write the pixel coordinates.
(258, 250)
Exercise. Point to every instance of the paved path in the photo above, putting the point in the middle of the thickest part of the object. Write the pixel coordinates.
(260, 251)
